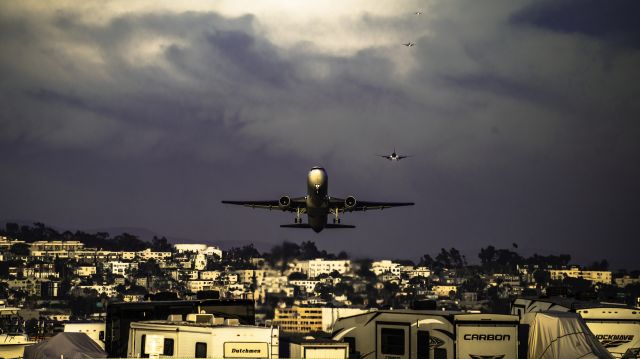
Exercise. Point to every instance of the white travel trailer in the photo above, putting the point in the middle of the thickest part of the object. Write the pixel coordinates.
(310, 347)
(404, 334)
(94, 330)
(559, 335)
(201, 336)
(616, 327)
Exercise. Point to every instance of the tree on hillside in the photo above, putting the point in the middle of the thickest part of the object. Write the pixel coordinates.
(283, 254)
(161, 244)
(20, 249)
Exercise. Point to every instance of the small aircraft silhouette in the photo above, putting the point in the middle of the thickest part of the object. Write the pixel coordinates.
(410, 44)
(394, 156)
(419, 12)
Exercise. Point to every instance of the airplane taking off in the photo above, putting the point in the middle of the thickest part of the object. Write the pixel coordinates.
(409, 44)
(317, 205)
(394, 156)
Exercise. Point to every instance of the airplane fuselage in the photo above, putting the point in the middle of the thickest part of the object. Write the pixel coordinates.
(317, 200)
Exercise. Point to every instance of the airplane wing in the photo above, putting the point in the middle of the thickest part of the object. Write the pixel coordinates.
(404, 156)
(364, 205)
(299, 202)
(385, 156)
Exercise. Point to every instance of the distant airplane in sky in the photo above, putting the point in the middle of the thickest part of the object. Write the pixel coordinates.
(317, 205)
(419, 12)
(409, 44)
(394, 156)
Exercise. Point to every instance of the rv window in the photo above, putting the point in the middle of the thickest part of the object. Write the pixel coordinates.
(392, 341)
(168, 347)
(439, 353)
(352, 344)
(101, 335)
(201, 350)
(143, 342)
(423, 344)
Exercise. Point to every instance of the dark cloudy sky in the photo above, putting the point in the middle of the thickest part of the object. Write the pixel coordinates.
(522, 116)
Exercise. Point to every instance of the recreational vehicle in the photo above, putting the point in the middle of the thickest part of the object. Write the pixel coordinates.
(616, 326)
(94, 330)
(295, 347)
(201, 336)
(120, 315)
(404, 334)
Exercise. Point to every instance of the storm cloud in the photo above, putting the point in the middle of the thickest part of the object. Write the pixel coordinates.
(523, 119)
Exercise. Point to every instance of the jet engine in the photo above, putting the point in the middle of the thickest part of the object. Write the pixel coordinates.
(284, 202)
(350, 202)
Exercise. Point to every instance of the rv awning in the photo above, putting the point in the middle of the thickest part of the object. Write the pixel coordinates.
(66, 346)
(561, 335)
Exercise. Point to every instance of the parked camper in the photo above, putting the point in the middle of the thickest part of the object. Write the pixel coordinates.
(311, 347)
(557, 335)
(94, 330)
(202, 336)
(404, 334)
(616, 326)
(618, 329)
(120, 315)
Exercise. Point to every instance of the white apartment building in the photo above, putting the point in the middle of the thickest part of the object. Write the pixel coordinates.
(188, 274)
(128, 256)
(198, 248)
(210, 275)
(385, 266)
(315, 267)
(308, 286)
(626, 280)
(248, 275)
(6, 242)
(56, 246)
(444, 290)
(200, 262)
(109, 290)
(85, 271)
(148, 254)
(122, 268)
(200, 285)
(412, 272)
(575, 272)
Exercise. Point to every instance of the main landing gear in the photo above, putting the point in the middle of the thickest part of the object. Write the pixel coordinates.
(336, 212)
(297, 219)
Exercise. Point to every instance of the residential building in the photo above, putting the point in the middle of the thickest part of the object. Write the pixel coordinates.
(198, 248)
(303, 319)
(603, 277)
(85, 271)
(626, 280)
(444, 290)
(327, 266)
(385, 266)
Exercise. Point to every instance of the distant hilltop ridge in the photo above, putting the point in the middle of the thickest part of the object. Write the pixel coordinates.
(143, 234)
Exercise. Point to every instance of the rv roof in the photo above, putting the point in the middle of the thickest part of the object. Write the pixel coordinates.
(574, 304)
(192, 324)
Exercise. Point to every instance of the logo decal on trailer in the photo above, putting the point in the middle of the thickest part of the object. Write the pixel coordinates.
(435, 342)
(613, 340)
